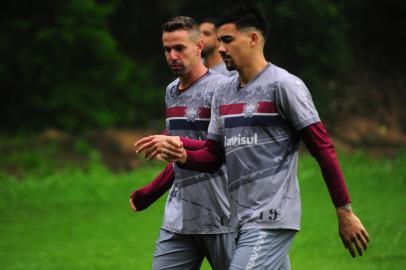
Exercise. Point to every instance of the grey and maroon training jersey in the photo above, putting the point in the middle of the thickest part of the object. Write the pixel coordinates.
(197, 202)
(258, 126)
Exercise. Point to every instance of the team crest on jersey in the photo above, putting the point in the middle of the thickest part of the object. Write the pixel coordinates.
(192, 112)
(250, 108)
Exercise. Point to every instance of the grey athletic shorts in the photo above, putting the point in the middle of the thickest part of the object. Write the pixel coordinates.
(262, 249)
(187, 251)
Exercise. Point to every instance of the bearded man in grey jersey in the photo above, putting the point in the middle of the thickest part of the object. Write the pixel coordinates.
(197, 213)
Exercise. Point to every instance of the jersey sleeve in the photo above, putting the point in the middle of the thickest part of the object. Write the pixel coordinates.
(191, 144)
(322, 149)
(294, 103)
(147, 195)
(207, 159)
(213, 132)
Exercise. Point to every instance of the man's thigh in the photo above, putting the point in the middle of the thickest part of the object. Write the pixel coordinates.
(262, 249)
(176, 251)
(217, 248)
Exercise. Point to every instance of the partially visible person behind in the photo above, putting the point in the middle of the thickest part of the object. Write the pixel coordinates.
(210, 53)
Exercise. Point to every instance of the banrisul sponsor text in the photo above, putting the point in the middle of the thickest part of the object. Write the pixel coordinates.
(240, 140)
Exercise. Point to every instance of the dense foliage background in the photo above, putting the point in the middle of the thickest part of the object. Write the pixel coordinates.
(83, 64)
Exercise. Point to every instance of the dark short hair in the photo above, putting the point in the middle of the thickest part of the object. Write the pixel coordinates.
(209, 20)
(180, 23)
(244, 16)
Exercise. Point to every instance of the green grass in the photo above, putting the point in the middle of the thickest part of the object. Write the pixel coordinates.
(79, 218)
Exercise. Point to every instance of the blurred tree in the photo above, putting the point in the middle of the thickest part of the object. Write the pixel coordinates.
(309, 38)
(378, 33)
(61, 67)
(98, 63)
(137, 27)
(376, 82)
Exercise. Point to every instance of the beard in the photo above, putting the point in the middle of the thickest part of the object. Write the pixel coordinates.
(177, 68)
(230, 64)
(207, 51)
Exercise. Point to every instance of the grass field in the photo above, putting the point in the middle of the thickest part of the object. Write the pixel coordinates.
(79, 218)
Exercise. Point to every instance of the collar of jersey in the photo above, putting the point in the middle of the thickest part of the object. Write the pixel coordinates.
(190, 85)
(239, 88)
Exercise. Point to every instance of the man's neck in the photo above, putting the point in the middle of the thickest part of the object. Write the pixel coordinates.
(194, 74)
(213, 59)
(249, 70)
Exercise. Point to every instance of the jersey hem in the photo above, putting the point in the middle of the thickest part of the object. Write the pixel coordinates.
(269, 226)
(219, 231)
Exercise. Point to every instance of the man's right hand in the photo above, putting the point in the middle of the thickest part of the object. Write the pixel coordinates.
(152, 145)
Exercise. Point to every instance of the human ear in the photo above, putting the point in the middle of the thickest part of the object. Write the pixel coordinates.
(254, 39)
(199, 47)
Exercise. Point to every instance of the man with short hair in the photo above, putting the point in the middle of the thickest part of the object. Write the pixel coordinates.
(197, 215)
(211, 56)
(258, 120)
(143, 197)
